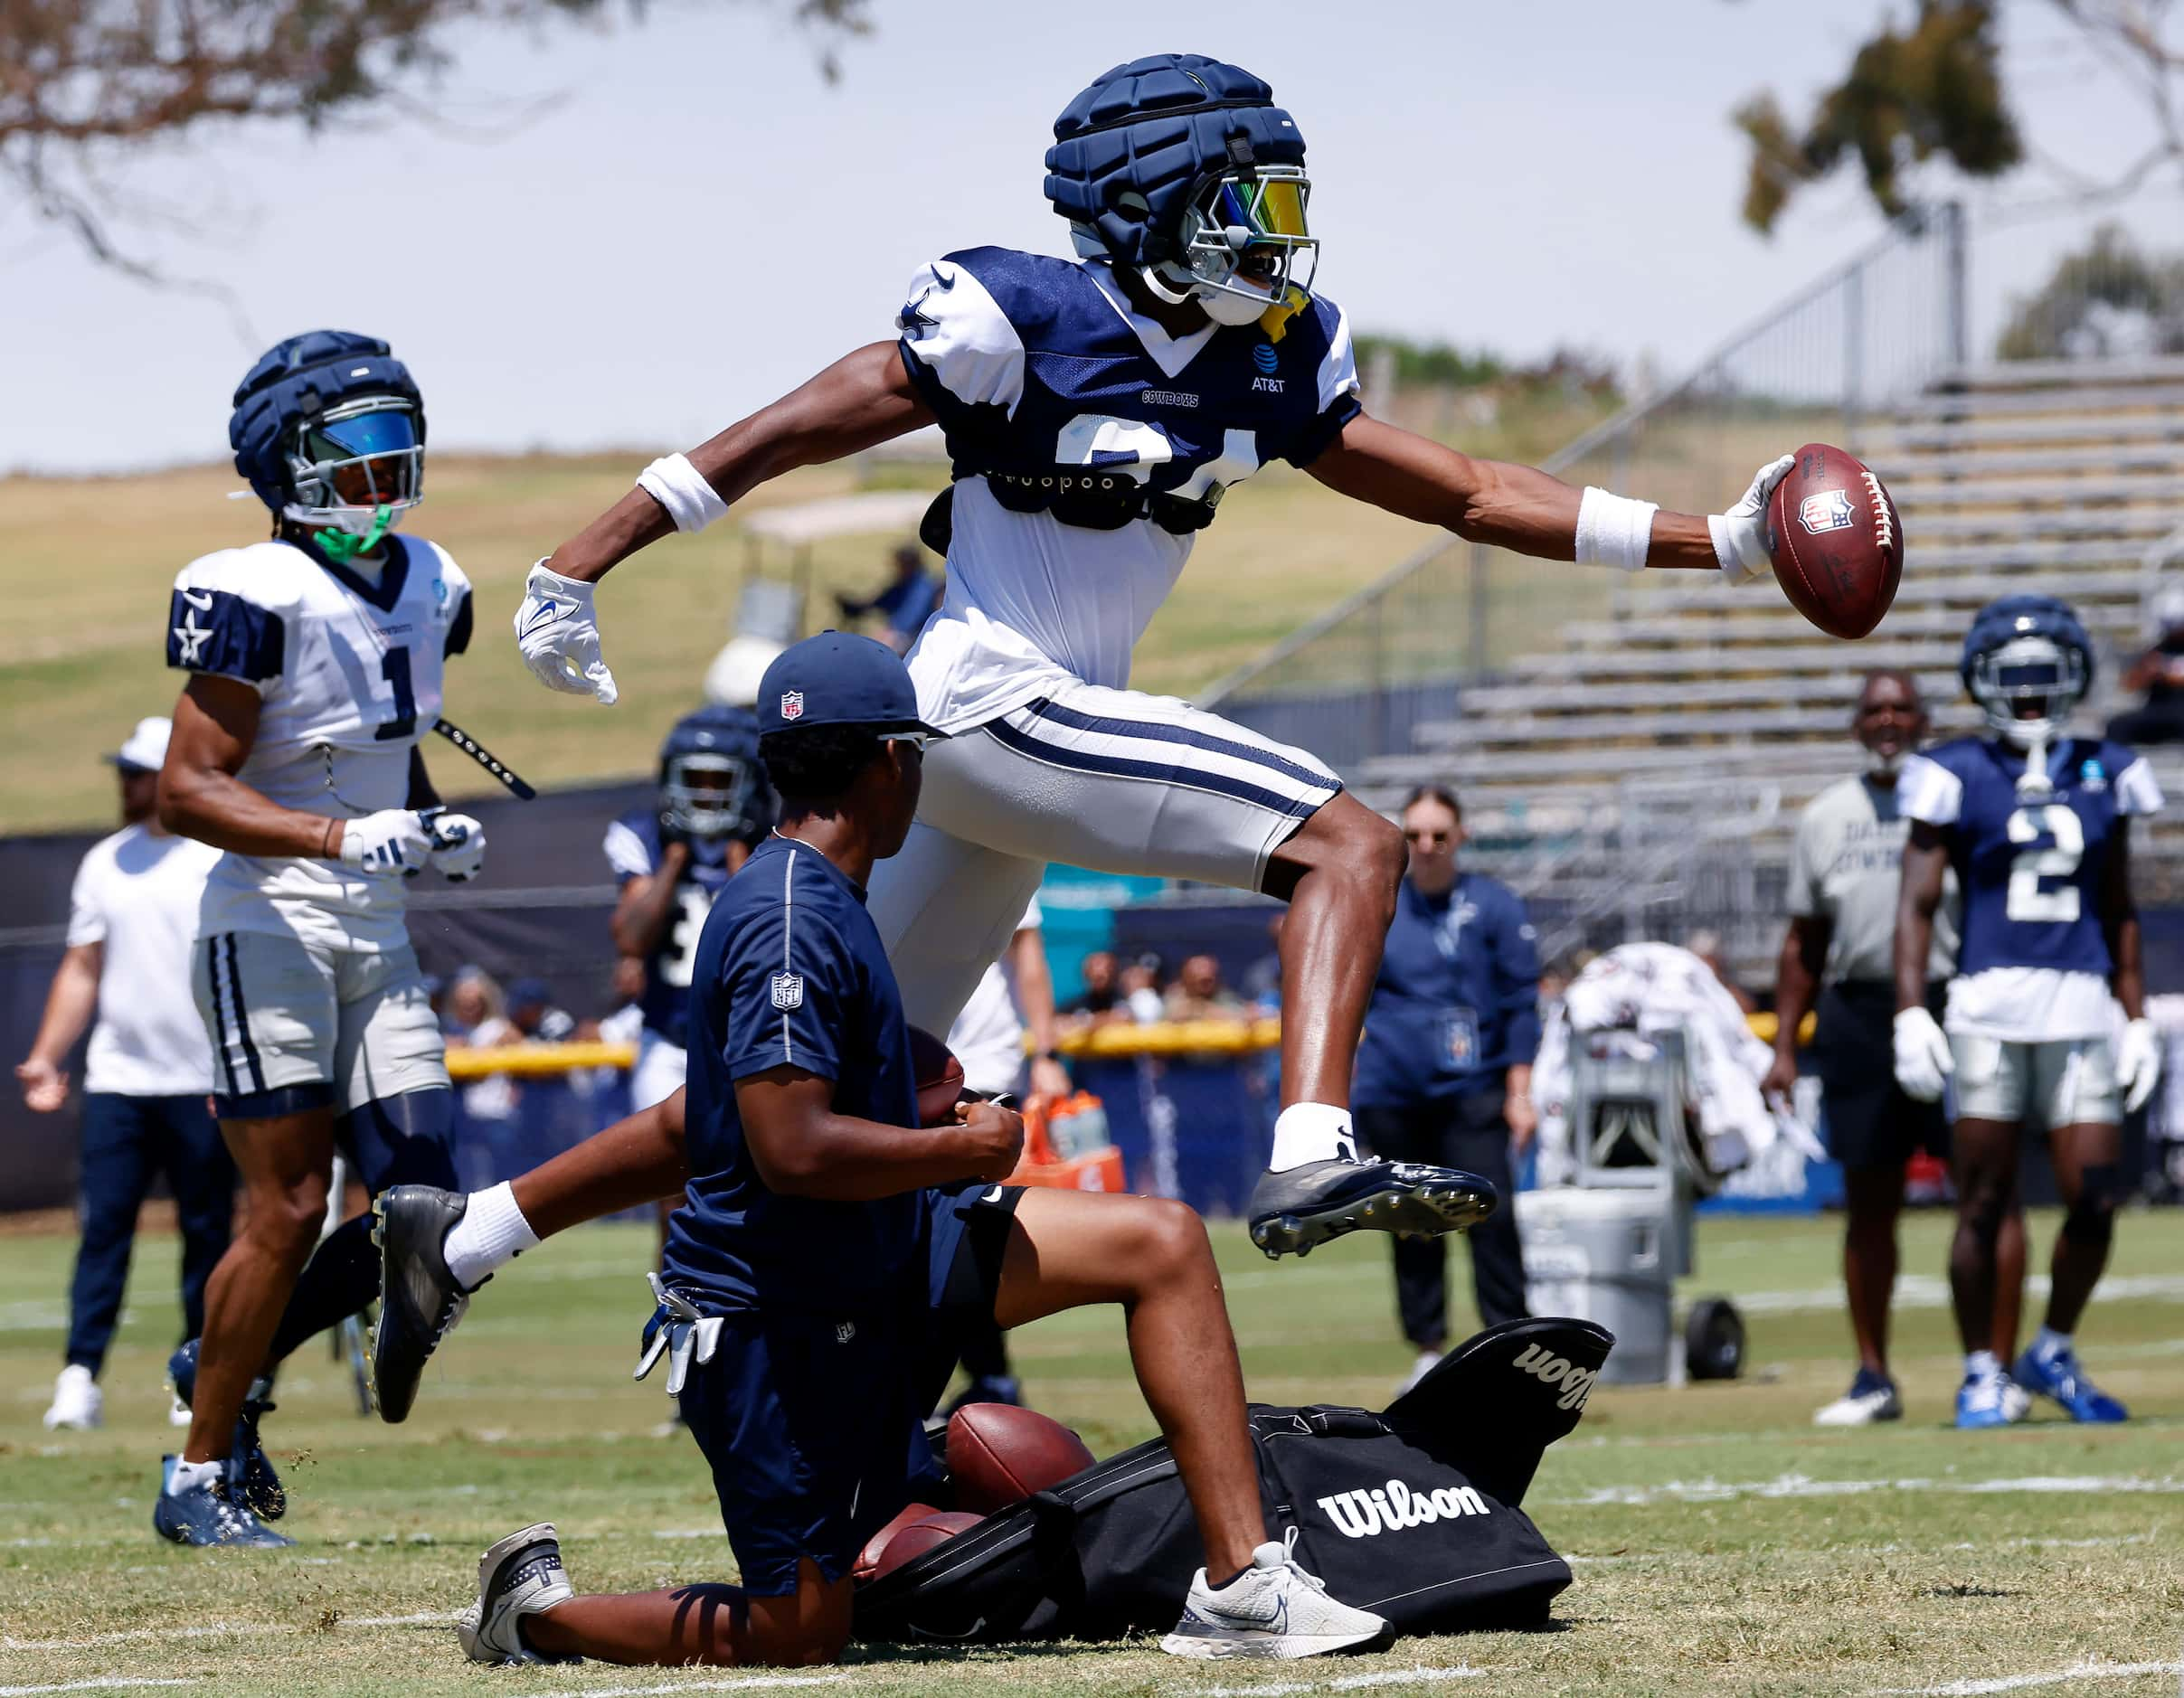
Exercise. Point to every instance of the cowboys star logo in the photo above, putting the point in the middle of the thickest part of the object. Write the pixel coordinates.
(192, 638)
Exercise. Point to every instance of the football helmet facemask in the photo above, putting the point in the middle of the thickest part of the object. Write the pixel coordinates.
(352, 469)
(2028, 686)
(1243, 244)
(707, 795)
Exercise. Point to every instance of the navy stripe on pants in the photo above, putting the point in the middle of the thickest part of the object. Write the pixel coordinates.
(127, 1142)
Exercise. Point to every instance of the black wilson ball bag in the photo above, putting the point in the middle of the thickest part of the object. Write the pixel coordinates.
(1412, 1513)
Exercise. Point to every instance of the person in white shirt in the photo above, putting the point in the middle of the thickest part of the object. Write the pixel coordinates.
(132, 923)
(1097, 412)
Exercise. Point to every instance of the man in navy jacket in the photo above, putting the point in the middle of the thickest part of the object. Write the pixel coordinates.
(1444, 1073)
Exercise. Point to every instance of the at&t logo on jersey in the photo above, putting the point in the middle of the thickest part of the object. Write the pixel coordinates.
(1268, 361)
(1392, 1507)
(1576, 1383)
(1828, 510)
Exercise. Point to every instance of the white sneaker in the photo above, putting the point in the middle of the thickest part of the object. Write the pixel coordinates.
(1273, 1608)
(1870, 1399)
(78, 1403)
(1428, 1359)
(2017, 1402)
(518, 1577)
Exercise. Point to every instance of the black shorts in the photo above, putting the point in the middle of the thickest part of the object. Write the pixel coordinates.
(1870, 1122)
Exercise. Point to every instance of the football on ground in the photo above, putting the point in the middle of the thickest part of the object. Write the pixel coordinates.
(1835, 541)
(999, 1455)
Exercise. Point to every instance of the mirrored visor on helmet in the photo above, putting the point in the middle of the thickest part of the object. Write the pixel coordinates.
(2034, 675)
(1265, 207)
(392, 431)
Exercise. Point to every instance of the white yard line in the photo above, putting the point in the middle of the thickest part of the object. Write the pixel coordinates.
(225, 1630)
(2095, 1670)
(1711, 1491)
(104, 1682)
(749, 1683)
(1346, 1683)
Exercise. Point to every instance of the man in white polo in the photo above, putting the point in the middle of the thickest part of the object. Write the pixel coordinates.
(132, 924)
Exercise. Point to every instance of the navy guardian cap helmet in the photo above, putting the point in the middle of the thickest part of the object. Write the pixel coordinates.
(1183, 167)
(329, 428)
(2028, 662)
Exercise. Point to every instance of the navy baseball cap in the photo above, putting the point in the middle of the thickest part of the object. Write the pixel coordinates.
(838, 678)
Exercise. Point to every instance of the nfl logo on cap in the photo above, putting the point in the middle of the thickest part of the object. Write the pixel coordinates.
(793, 704)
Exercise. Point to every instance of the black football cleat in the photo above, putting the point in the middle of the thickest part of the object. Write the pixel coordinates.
(420, 1301)
(1302, 1206)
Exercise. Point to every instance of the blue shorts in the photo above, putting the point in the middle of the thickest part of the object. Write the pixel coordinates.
(812, 1428)
(814, 1425)
(967, 1235)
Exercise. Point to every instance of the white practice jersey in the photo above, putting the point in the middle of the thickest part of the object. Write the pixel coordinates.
(1046, 380)
(348, 662)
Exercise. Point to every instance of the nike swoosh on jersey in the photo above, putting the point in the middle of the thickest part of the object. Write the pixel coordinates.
(201, 600)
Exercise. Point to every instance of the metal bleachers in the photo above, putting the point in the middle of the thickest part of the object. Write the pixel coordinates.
(1597, 773)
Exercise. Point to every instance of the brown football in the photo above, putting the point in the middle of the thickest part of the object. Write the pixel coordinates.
(940, 1077)
(1835, 541)
(911, 1533)
(999, 1455)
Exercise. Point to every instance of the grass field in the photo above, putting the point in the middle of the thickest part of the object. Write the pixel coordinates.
(1722, 1544)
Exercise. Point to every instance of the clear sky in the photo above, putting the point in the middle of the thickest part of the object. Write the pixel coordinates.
(689, 221)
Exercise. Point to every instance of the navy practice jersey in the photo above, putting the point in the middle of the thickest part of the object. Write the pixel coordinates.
(790, 972)
(633, 850)
(2030, 871)
(1086, 443)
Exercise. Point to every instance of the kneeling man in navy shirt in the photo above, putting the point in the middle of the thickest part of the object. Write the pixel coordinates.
(823, 1241)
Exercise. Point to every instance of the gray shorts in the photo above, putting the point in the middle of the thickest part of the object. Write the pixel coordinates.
(297, 1024)
(2055, 1082)
(1110, 779)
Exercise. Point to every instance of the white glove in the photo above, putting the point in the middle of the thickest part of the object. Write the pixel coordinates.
(1740, 535)
(1922, 1061)
(393, 840)
(559, 636)
(2138, 1063)
(459, 846)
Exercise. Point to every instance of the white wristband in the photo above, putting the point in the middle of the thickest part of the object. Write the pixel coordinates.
(690, 501)
(1613, 530)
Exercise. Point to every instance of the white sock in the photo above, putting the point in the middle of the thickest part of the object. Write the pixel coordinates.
(491, 1234)
(190, 1477)
(2047, 1342)
(1311, 1132)
(1981, 1364)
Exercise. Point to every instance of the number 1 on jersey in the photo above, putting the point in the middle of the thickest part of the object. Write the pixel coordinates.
(2027, 900)
(395, 669)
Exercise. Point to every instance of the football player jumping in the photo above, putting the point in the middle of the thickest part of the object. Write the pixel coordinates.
(1096, 412)
(2037, 826)
(671, 860)
(314, 663)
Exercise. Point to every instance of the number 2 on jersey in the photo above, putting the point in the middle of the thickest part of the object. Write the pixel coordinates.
(2027, 900)
(395, 669)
